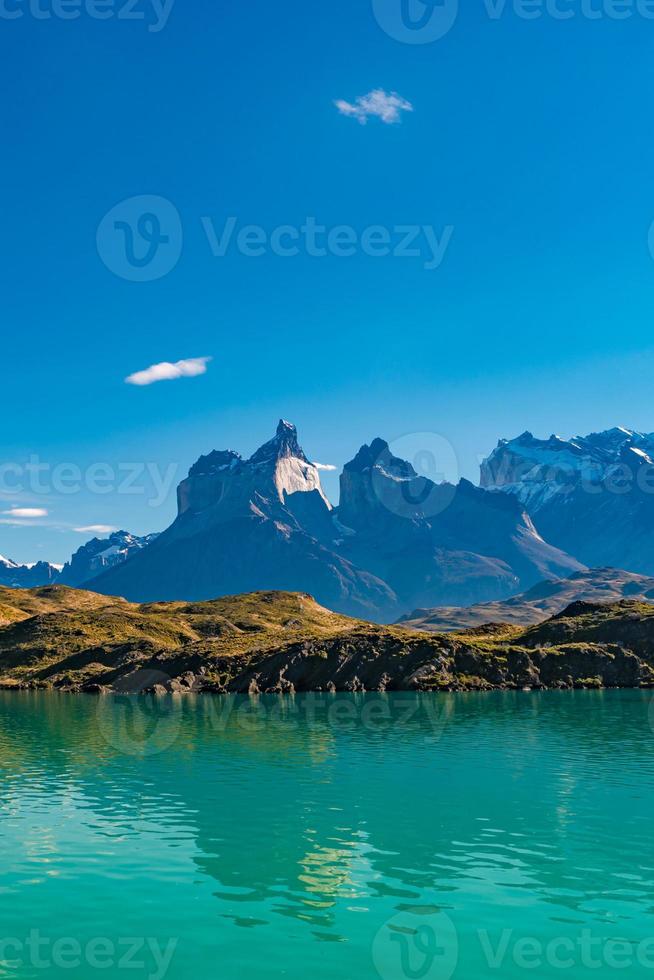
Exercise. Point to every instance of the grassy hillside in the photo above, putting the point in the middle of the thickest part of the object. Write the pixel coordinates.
(282, 642)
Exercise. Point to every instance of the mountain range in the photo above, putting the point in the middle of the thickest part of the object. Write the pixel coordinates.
(544, 600)
(15, 576)
(99, 554)
(396, 542)
(593, 496)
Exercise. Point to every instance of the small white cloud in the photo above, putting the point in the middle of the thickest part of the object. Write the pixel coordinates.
(96, 529)
(26, 512)
(325, 466)
(387, 106)
(190, 368)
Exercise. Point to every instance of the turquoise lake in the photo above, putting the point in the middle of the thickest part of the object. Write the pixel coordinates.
(401, 837)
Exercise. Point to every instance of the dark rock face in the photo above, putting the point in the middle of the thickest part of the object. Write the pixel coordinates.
(396, 540)
(592, 496)
(460, 543)
(359, 661)
(102, 553)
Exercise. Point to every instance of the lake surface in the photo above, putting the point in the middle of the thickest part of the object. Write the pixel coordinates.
(398, 837)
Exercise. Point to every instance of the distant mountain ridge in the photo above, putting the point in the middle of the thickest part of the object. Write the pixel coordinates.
(15, 576)
(87, 562)
(396, 539)
(545, 510)
(539, 603)
(98, 554)
(592, 496)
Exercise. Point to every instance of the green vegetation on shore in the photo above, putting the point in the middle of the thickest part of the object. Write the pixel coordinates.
(284, 642)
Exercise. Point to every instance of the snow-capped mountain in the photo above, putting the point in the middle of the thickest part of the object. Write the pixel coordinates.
(395, 541)
(99, 554)
(15, 576)
(535, 469)
(592, 496)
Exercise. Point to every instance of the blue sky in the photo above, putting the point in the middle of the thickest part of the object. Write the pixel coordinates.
(531, 139)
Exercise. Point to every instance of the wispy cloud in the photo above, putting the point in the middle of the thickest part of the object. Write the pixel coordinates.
(386, 106)
(26, 512)
(6, 522)
(325, 466)
(96, 529)
(166, 371)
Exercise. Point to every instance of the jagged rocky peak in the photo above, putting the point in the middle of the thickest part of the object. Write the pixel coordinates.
(526, 458)
(284, 444)
(525, 461)
(379, 455)
(292, 472)
(277, 470)
(215, 462)
(373, 484)
(99, 554)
